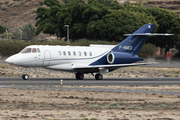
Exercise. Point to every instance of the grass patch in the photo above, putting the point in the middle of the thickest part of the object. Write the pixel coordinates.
(106, 106)
(167, 75)
(41, 105)
(163, 105)
(34, 10)
(132, 106)
(113, 105)
(9, 107)
(150, 106)
(176, 75)
(94, 106)
(137, 76)
(4, 7)
(93, 119)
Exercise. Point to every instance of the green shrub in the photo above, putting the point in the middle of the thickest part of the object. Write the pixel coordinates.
(167, 75)
(28, 32)
(3, 29)
(113, 105)
(41, 105)
(148, 50)
(132, 106)
(94, 106)
(10, 47)
(163, 105)
(93, 119)
(4, 35)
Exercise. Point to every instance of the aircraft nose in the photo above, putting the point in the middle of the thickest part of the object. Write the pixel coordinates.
(12, 60)
(9, 60)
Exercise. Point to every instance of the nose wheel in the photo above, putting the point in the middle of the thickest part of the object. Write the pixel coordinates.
(25, 77)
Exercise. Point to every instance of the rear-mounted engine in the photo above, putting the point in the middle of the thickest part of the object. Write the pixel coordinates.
(122, 58)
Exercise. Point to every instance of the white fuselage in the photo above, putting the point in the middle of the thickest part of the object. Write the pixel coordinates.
(97, 59)
(62, 58)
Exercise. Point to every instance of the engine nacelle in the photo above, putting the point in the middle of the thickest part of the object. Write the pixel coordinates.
(122, 58)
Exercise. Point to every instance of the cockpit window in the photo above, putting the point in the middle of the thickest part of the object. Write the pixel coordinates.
(34, 50)
(26, 50)
(38, 50)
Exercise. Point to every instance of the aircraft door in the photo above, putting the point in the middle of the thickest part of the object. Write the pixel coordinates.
(47, 58)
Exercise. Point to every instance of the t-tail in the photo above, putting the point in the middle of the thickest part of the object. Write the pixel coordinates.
(134, 42)
(127, 51)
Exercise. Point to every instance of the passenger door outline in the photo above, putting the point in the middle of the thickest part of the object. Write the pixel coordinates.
(47, 58)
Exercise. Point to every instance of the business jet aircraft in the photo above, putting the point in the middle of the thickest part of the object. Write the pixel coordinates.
(80, 60)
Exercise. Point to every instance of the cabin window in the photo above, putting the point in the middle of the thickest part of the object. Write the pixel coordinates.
(69, 53)
(59, 52)
(64, 52)
(74, 53)
(34, 50)
(85, 54)
(79, 53)
(26, 50)
(90, 53)
(38, 50)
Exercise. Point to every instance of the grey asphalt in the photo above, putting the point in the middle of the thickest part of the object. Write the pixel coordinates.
(2, 61)
(91, 81)
(55, 84)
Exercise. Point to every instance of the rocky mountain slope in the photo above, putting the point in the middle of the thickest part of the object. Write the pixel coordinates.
(17, 13)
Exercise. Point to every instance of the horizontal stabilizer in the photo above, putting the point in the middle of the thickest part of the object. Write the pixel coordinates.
(149, 34)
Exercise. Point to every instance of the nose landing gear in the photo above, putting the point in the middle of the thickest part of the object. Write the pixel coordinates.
(25, 76)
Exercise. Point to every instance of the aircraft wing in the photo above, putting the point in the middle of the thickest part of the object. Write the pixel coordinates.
(113, 65)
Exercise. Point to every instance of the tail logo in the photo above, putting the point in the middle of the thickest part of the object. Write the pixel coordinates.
(149, 26)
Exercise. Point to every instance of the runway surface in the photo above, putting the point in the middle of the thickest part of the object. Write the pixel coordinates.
(91, 81)
(33, 83)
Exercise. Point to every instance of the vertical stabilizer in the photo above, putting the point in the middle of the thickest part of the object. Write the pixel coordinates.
(135, 41)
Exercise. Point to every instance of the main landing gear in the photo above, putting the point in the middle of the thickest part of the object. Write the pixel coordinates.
(80, 76)
(98, 77)
(25, 76)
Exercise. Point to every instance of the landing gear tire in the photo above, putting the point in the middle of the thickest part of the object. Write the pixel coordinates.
(25, 77)
(79, 76)
(98, 77)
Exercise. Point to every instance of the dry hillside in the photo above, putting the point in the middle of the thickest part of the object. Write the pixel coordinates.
(17, 13)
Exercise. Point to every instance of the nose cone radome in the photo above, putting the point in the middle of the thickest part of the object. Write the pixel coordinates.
(9, 60)
(13, 60)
